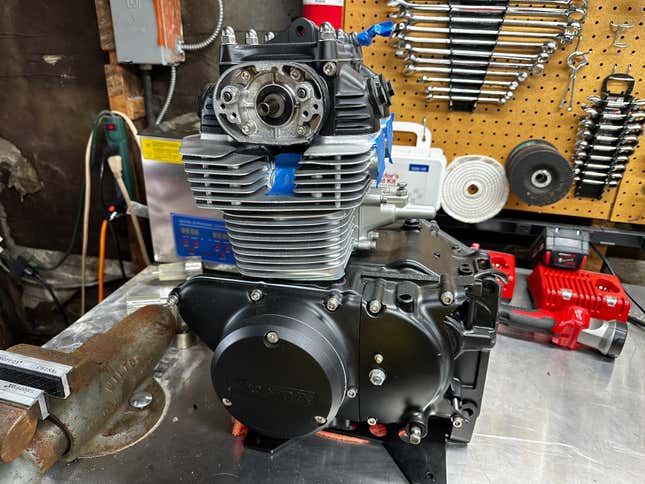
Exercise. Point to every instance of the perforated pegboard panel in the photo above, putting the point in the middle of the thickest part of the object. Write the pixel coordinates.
(533, 113)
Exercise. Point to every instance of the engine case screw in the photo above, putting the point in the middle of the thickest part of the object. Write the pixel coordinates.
(352, 392)
(329, 69)
(375, 306)
(245, 76)
(447, 298)
(226, 402)
(371, 421)
(332, 303)
(140, 400)
(227, 96)
(256, 295)
(272, 337)
(301, 130)
(320, 420)
(248, 128)
(457, 422)
(378, 358)
(295, 74)
(377, 377)
(302, 93)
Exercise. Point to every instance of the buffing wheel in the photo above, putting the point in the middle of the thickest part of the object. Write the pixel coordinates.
(475, 189)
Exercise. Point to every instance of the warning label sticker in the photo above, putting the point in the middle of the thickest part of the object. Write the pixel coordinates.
(161, 150)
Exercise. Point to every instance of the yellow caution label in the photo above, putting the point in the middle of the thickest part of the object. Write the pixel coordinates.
(161, 150)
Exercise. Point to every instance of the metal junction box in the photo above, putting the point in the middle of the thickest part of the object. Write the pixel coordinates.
(147, 31)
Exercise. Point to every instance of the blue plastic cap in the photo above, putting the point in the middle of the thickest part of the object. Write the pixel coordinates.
(384, 29)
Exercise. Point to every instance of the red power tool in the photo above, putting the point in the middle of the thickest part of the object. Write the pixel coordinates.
(576, 307)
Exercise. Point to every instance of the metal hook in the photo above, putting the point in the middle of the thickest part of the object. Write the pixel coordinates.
(618, 30)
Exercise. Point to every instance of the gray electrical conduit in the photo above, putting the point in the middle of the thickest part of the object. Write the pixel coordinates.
(196, 46)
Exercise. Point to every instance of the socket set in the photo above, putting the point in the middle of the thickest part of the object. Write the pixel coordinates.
(608, 136)
(480, 51)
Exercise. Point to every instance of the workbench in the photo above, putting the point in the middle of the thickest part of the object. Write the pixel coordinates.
(549, 415)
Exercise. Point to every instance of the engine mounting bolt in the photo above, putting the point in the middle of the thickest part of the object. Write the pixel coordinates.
(371, 421)
(377, 377)
(272, 337)
(226, 402)
(245, 76)
(329, 69)
(332, 303)
(140, 400)
(256, 295)
(295, 74)
(320, 420)
(457, 422)
(415, 435)
(375, 306)
(301, 130)
(447, 298)
(378, 358)
(352, 392)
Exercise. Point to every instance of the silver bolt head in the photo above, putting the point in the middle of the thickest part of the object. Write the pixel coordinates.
(320, 420)
(375, 306)
(295, 74)
(457, 422)
(415, 435)
(447, 298)
(272, 337)
(140, 400)
(377, 377)
(301, 130)
(332, 303)
(256, 295)
(329, 69)
(371, 421)
(352, 392)
(378, 358)
(248, 128)
(226, 402)
(245, 76)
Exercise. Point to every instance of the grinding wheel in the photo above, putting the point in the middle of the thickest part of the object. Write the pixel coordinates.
(539, 175)
(474, 189)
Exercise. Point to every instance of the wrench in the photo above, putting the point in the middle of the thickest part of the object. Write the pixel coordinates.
(410, 70)
(511, 85)
(548, 47)
(479, 92)
(501, 100)
(406, 27)
(577, 14)
(536, 69)
(544, 24)
(540, 58)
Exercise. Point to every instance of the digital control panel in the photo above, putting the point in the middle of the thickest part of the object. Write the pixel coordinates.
(202, 237)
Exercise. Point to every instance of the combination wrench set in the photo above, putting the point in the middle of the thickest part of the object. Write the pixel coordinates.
(607, 136)
(480, 51)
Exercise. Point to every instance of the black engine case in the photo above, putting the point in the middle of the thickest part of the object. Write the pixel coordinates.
(286, 362)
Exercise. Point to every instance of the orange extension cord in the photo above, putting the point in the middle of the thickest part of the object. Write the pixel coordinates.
(104, 228)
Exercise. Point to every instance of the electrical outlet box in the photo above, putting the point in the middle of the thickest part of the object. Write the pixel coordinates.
(147, 31)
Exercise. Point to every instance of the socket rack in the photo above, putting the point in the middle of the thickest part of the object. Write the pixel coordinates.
(494, 130)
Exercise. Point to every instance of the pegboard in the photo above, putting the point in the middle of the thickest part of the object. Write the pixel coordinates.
(533, 113)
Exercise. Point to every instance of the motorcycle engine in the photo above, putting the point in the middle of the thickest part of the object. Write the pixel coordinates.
(329, 322)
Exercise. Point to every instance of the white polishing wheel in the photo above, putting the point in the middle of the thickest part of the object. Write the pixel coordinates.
(475, 188)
